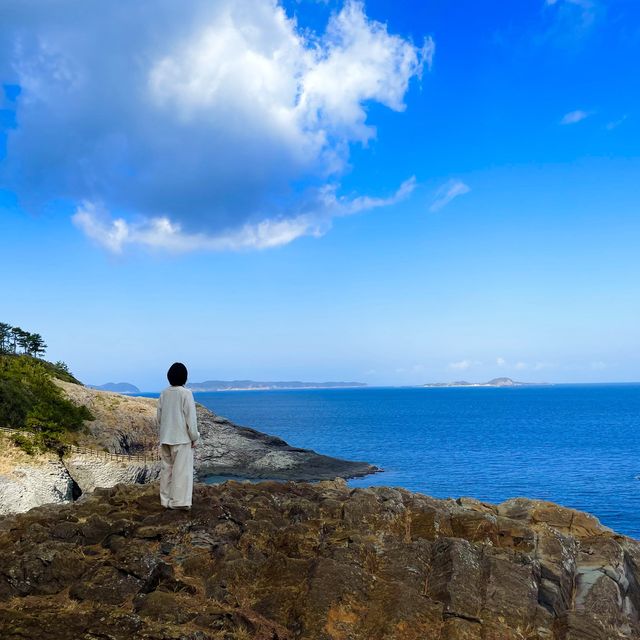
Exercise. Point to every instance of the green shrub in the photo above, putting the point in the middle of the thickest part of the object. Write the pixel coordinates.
(30, 400)
(25, 443)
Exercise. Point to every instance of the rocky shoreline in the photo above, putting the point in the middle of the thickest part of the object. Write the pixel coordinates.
(126, 425)
(96, 556)
(278, 561)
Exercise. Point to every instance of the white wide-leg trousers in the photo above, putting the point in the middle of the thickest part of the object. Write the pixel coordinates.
(176, 475)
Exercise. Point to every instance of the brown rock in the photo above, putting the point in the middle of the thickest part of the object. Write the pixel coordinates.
(106, 585)
(275, 561)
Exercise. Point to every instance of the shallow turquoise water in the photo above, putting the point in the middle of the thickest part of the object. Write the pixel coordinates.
(578, 445)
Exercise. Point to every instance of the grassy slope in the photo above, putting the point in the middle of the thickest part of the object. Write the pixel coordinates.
(32, 402)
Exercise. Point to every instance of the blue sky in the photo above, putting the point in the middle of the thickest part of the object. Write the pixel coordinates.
(391, 192)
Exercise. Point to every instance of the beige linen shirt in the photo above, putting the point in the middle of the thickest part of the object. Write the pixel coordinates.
(177, 416)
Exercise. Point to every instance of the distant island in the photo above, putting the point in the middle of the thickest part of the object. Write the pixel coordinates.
(117, 387)
(496, 382)
(252, 385)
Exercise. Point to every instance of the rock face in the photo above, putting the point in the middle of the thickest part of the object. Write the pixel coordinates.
(90, 472)
(126, 424)
(29, 481)
(320, 562)
(27, 486)
(227, 449)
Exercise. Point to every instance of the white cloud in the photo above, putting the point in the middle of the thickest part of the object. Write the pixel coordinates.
(574, 117)
(116, 234)
(520, 366)
(447, 192)
(196, 125)
(575, 15)
(462, 365)
(614, 124)
(501, 362)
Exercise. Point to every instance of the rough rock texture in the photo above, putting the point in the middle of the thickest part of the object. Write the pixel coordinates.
(322, 562)
(126, 424)
(123, 424)
(27, 486)
(90, 472)
(29, 481)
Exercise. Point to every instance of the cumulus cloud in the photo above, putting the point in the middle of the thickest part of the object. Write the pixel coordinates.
(196, 125)
(574, 117)
(447, 192)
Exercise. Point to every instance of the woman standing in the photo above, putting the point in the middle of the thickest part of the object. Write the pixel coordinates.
(178, 437)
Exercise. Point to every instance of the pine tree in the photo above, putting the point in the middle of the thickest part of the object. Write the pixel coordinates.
(23, 340)
(5, 337)
(37, 346)
(16, 332)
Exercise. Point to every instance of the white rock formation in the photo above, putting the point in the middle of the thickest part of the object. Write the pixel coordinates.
(28, 486)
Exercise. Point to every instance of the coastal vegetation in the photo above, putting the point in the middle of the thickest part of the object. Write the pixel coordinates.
(14, 340)
(30, 400)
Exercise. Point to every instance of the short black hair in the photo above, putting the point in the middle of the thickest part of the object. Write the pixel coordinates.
(177, 374)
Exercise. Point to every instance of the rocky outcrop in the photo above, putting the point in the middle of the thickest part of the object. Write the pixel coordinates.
(319, 562)
(28, 481)
(30, 485)
(227, 449)
(126, 424)
(90, 472)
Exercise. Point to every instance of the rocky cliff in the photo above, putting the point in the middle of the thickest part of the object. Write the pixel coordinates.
(126, 425)
(320, 562)
(29, 481)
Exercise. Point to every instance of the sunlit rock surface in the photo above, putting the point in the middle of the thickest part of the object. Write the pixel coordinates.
(315, 561)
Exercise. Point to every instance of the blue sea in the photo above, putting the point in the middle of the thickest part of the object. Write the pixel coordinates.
(578, 445)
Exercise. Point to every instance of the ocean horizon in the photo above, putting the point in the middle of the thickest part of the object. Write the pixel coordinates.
(574, 444)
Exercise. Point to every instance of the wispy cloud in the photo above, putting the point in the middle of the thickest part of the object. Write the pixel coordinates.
(415, 368)
(533, 366)
(575, 15)
(573, 117)
(447, 192)
(313, 219)
(462, 365)
(610, 126)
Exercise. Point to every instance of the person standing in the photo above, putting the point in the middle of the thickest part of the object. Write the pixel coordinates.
(178, 436)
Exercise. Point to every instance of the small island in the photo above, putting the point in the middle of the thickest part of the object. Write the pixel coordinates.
(496, 382)
(116, 387)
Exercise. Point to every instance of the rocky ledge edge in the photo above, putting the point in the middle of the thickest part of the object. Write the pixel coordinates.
(126, 425)
(284, 561)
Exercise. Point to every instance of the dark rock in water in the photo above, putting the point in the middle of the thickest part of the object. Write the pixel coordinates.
(276, 561)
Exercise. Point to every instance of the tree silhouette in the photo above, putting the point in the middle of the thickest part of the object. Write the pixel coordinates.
(23, 341)
(15, 335)
(5, 337)
(14, 340)
(37, 347)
